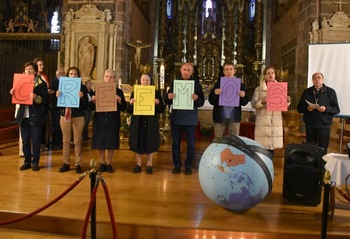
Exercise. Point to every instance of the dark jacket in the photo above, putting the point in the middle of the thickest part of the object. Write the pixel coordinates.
(110, 119)
(150, 122)
(54, 88)
(186, 117)
(37, 111)
(327, 98)
(214, 100)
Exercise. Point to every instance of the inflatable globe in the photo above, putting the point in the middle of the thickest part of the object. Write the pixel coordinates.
(236, 172)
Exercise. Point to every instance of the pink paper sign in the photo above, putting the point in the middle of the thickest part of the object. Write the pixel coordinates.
(23, 85)
(277, 96)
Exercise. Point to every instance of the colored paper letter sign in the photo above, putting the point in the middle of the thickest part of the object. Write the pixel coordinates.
(23, 86)
(277, 96)
(105, 97)
(69, 88)
(183, 90)
(144, 96)
(230, 91)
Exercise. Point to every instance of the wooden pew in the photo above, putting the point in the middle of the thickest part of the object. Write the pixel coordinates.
(8, 127)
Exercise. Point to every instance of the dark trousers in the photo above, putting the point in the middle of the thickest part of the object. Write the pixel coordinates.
(319, 136)
(176, 131)
(56, 128)
(31, 134)
(88, 114)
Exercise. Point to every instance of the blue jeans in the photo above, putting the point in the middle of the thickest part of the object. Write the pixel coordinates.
(31, 134)
(176, 131)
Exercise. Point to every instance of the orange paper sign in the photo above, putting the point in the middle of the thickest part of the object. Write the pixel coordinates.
(23, 86)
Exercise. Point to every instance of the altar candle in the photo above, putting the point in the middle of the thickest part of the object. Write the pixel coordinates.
(161, 78)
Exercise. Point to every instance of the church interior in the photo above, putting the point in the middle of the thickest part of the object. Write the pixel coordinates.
(155, 37)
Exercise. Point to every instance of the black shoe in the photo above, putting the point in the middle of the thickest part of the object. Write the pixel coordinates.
(188, 171)
(25, 166)
(137, 169)
(176, 170)
(103, 167)
(149, 169)
(78, 169)
(35, 167)
(43, 147)
(109, 168)
(64, 168)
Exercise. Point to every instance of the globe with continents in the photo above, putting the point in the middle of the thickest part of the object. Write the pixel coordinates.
(236, 172)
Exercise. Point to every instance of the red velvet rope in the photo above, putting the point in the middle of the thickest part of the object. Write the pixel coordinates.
(45, 206)
(341, 192)
(110, 209)
(88, 213)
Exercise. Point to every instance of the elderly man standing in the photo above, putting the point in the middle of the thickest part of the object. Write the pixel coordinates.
(318, 104)
(185, 120)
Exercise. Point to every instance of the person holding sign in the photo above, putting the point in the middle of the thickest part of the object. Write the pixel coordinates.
(228, 115)
(268, 124)
(106, 124)
(184, 119)
(88, 112)
(31, 117)
(45, 141)
(73, 118)
(318, 104)
(56, 111)
(144, 129)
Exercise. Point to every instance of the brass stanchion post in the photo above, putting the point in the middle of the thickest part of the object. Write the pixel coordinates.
(93, 173)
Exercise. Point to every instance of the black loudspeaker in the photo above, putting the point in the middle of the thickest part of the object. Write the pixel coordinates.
(303, 172)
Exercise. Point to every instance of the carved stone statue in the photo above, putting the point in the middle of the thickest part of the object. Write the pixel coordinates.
(325, 23)
(86, 57)
(10, 25)
(69, 15)
(31, 25)
(315, 25)
(209, 23)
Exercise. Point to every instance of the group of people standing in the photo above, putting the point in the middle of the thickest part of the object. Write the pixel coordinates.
(318, 104)
(33, 118)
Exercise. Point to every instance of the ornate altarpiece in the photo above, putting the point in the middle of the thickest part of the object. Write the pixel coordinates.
(234, 35)
(90, 22)
(332, 30)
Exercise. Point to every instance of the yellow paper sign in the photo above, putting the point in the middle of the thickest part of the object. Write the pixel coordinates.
(144, 100)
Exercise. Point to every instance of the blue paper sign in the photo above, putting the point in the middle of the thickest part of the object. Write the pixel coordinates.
(69, 88)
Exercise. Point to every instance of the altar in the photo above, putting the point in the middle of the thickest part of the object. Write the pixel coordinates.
(339, 168)
(205, 113)
(205, 117)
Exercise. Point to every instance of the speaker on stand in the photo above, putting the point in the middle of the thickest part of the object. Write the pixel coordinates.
(303, 172)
